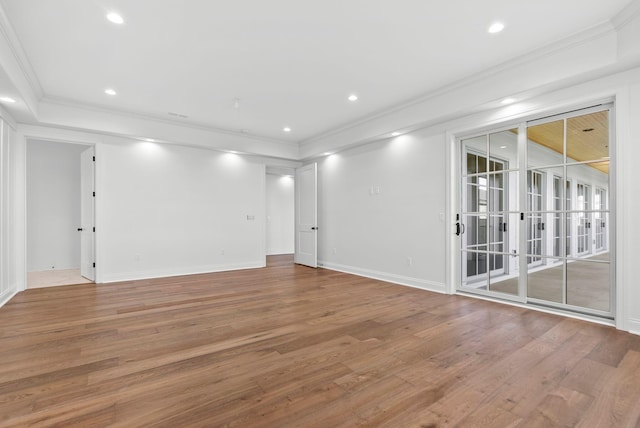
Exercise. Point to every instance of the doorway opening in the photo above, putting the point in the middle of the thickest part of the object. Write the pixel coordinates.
(60, 214)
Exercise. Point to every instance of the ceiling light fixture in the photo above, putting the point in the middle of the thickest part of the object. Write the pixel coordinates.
(353, 97)
(508, 101)
(286, 129)
(496, 27)
(115, 18)
(7, 100)
(110, 91)
(327, 154)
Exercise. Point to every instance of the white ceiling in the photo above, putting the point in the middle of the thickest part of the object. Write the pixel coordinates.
(289, 62)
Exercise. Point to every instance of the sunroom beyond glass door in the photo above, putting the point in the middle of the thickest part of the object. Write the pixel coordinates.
(488, 223)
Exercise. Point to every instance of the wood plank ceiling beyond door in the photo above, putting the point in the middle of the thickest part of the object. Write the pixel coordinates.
(587, 138)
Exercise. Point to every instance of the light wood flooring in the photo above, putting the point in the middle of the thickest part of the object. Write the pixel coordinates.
(54, 278)
(294, 346)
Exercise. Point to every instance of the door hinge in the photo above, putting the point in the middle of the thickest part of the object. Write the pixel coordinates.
(94, 194)
(94, 229)
(94, 158)
(521, 216)
(94, 264)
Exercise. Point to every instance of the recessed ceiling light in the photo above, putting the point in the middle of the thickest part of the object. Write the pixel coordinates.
(149, 140)
(353, 97)
(395, 134)
(503, 147)
(508, 101)
(110, 91)
(7, 100)
(115, 18)
(286, 129)
(327, 154)
(496, 27)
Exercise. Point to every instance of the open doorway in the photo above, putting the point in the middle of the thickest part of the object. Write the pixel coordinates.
(58, 251)
(280, 228)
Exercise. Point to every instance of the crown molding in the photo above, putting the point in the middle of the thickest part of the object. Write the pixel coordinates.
(580, 38)
(67, 102)
(9, 34)
(626, 15)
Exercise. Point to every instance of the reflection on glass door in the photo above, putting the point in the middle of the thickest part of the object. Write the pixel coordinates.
(565, 220)
(535, 218)
(583, 219)
(599, 219)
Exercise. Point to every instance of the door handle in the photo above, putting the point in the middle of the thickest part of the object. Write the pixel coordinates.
(314, 228)
(80, 229)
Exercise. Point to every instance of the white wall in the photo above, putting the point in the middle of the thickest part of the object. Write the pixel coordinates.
(170, 210)
(8, 255)
(280, 214)
(381, 210)
(53, 205)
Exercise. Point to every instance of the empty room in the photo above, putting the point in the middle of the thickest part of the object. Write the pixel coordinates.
(331, 214)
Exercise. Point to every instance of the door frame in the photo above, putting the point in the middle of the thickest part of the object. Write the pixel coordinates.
(27, 133)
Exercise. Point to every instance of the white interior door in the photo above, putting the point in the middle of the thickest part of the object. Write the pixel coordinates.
(306, 251)
(87, 215)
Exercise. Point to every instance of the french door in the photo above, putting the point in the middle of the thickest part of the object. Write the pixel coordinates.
(534, 219)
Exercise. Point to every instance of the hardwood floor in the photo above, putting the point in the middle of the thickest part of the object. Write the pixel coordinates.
(294, 346)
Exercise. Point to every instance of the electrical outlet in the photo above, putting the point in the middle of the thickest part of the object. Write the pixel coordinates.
(335, 251)
(409, 261)
(222, 252)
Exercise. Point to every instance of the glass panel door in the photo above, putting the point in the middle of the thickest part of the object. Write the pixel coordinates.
(574, 152)
(488, 224)
(558, 230)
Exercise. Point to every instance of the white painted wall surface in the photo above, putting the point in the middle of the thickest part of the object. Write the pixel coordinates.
(53, 205)
(8, 256)
(170, 210)
(280, 214)
(380, 210)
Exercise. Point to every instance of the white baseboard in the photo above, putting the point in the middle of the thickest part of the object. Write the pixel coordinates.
(6, 296)
(634, 326)
(420, 283)
(163, 273)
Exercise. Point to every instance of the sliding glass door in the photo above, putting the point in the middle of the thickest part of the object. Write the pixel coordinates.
(487, 220)
(560, 166)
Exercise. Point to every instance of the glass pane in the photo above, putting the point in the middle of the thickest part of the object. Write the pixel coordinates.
(474, 232)
(504, 146)
(545, 144)
(472, 163)
(588, 137)
(498, 192)
(474, 269)
(601, 230)
(546, 282)
(482, 164)
(507, 284)
(476, 145)
(588, 285)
